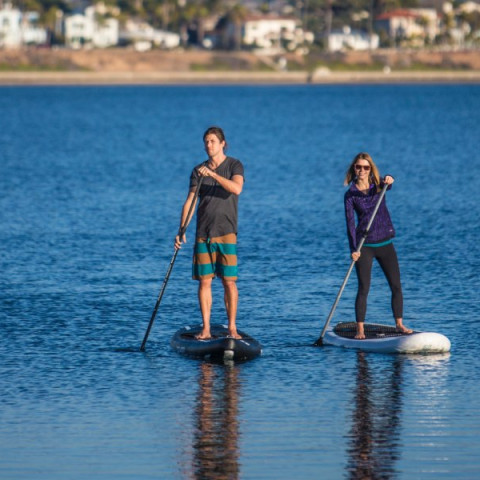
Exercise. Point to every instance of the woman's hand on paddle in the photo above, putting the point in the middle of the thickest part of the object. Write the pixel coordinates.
(355, 256)
(178, 242)
(388, 179)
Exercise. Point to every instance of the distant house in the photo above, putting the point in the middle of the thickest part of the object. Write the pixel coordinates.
(17, 28)
(267, 31)
(143, 36)
(271, 32)
(413, 24)
(347, 39)
(78, 31)
(94, 28)
(468, 7)
(10, 27)
(31, 32)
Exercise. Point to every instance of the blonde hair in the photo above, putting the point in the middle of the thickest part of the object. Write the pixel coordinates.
(374, 176)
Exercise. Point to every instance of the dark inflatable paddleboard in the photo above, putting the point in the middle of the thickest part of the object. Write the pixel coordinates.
(219, 347)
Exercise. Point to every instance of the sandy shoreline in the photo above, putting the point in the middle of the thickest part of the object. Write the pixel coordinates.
(232, 78)
(195, 67)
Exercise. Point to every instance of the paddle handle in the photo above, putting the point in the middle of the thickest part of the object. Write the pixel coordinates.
(319, 341)
(181, 232)
(183, 228)
(377, 206)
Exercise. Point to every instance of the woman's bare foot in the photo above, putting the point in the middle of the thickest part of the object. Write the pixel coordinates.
(234, 334)
(401, 328)
(360, 331)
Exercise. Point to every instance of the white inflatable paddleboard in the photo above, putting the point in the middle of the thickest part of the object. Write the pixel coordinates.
(385, 339)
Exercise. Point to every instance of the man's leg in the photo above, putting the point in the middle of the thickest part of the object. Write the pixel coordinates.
(231, 305)
(205, 301)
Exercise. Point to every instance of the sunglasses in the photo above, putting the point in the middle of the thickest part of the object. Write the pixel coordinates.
(365, 167)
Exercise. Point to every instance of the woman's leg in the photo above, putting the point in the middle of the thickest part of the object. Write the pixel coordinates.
(388, 260)
(363, 267)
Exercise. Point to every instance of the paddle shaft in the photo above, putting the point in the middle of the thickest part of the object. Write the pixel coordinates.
(347, 276)
(181, 233)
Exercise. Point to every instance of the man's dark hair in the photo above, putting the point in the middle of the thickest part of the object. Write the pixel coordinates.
(218, 132)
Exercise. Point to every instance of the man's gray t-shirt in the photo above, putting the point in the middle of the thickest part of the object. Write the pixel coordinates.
(217, 212)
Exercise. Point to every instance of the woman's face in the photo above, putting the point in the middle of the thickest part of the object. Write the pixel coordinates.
(362, 169)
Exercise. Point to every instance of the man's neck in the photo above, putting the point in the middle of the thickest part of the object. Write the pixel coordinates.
(217, 160)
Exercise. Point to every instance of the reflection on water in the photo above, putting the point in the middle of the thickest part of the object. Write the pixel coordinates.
(374, 437)
(216, 434)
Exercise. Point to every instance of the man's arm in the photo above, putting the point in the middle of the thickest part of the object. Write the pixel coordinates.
(183, 218)
(235, 185)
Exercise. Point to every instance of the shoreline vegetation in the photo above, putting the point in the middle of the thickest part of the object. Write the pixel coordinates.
(156, 67)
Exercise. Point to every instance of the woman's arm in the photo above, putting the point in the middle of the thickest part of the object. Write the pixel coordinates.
(350, 219)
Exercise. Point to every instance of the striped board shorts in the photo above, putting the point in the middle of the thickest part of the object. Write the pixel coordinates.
(215, 257)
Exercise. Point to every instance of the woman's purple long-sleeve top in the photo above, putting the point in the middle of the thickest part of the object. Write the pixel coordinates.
(363, 205)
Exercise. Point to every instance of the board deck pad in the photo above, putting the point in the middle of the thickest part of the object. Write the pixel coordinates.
(219, 346)
(215, 333)
(372, 331)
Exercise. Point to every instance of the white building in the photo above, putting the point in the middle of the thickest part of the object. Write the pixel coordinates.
(10, 27)
(93, 29)
(347, 39)
(17, 28)
(267, 31)
(408, 24)
(272, 32)
(32, 34)
(468, 7)
(78, 30)
(429, 20)
(143, 36)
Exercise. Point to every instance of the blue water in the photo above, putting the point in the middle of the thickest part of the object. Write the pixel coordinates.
(92, 181)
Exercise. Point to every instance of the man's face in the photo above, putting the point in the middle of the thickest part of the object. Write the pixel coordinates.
(213, 146)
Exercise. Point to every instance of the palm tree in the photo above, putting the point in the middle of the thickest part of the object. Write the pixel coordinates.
(236, 16)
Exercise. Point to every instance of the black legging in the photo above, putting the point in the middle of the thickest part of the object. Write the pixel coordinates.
(387, 259)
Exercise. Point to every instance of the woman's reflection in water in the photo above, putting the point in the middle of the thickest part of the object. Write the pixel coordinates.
(375, 437)
(215, 455)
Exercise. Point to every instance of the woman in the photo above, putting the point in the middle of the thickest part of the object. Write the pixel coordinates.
(361, 199)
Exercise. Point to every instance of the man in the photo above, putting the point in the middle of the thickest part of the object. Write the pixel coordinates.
(215, 251)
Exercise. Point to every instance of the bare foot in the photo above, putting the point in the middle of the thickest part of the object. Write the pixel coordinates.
(403, 329)
(360, 331)
(203, 336)
(234, 335)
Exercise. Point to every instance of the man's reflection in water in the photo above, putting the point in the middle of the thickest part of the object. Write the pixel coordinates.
(375, 437)
(215, 446)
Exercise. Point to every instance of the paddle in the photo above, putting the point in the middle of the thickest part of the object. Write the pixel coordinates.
(181, 232)
(319, 341)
